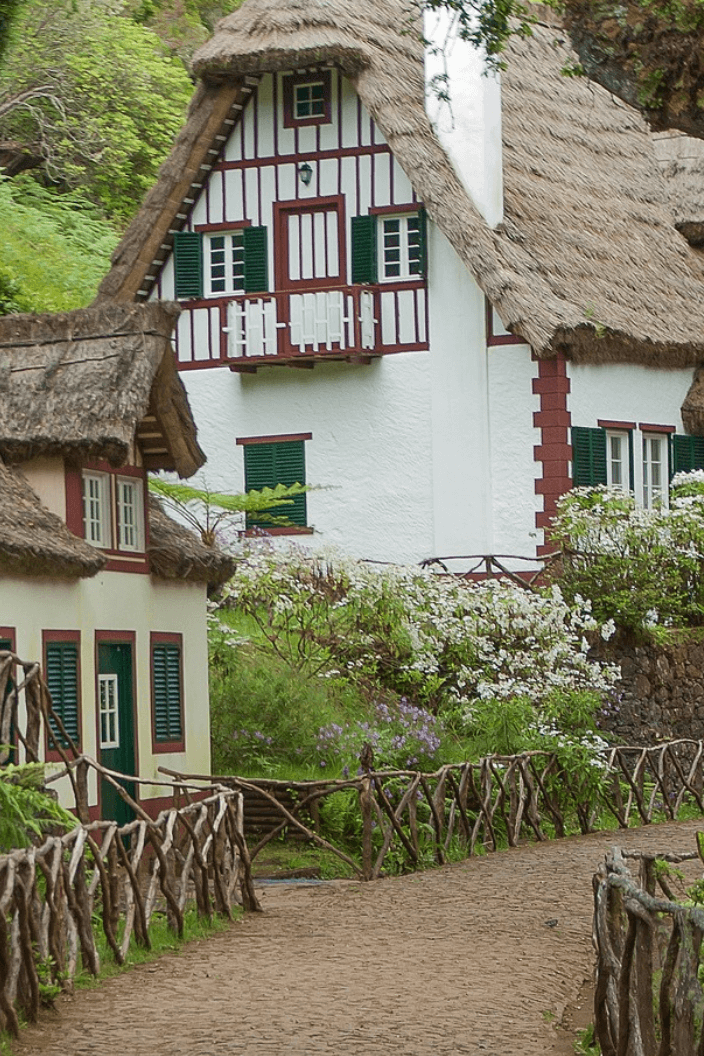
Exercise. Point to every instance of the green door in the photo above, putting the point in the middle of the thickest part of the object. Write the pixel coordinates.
(116, 724)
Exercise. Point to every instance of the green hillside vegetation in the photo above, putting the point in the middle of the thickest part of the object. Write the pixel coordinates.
(54, 248)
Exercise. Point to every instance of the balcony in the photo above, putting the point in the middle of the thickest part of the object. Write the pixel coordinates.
(352, 323)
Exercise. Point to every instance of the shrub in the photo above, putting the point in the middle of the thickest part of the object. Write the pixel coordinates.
(639, 567)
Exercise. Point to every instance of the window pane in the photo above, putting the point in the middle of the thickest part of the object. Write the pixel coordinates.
(96, 514)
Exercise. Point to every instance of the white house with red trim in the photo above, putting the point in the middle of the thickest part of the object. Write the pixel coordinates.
(445, 314)
(96, 582)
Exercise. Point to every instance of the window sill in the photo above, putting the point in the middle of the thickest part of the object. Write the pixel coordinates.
(165, 747)
(293, 530)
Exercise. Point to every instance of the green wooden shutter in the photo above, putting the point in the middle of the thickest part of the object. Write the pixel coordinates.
(588, 456)
(256, 259)
(188, 264)
(423, 238)
(687, 453)
(62, 680)
(265, 466)
(364, 255)
(166, 675)
(291, 469)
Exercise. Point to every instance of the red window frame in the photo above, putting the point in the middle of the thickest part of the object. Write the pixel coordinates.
(290, 81)
(118, 560)
(51, 754)
(167, 638)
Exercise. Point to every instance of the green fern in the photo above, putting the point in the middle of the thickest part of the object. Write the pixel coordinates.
(27, 811)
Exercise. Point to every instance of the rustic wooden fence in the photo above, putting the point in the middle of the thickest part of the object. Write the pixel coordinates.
(52, 894)
(402, 819)
(649, 999)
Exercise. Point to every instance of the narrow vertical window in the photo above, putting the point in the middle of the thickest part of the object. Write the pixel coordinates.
(96, 509)
(130, 513)
(62, 679)
(226, 262)
(167, 692)
(401, 247)
(109, 719)
(618, 459)
(654, 471)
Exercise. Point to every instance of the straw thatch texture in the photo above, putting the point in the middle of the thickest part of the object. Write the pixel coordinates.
(79, 383)
(681, 160)
(587, 218)
(34, 541)
(175, 552)
(588, 260)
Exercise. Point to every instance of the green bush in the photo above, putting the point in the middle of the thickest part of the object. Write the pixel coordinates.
(639, 568)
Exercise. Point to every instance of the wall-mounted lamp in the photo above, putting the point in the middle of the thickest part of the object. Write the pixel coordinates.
(305, 173)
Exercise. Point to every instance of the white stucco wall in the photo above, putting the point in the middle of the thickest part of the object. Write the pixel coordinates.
(469, 123)
(513, 437)
(114, 601)
(371, 445)
(626, 392)
(460, 412)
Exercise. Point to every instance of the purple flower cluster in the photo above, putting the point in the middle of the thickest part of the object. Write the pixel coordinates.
(402, 735)
(251, 735)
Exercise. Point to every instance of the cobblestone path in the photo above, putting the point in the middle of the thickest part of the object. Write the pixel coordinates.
(451, 961)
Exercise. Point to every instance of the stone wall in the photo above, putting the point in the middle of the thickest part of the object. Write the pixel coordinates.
(661, 692)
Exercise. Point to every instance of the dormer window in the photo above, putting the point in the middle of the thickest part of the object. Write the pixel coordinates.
(113, 511)
(307, 99)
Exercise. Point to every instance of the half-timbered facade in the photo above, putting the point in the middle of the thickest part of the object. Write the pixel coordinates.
(445, 317)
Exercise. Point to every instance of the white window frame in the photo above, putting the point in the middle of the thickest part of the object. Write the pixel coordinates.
(623, 435)
(109, 713)
(97, 509)
(233, 282)
(309, 101)
(654, 494)
(404, 261)
(130, 526)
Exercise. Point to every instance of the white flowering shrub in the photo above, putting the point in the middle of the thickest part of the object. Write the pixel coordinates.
(444, 644)
(640, 568)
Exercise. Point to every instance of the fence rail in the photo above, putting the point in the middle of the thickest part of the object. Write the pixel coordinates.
(648, 997)
(405, 818)
(50, 894)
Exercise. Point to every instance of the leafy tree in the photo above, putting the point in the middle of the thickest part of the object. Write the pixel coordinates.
(207, 511)
(93, 94)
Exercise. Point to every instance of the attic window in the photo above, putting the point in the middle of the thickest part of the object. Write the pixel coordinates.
(307, 99)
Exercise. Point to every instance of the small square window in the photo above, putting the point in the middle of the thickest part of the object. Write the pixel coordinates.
(618, 459)
(307, 99)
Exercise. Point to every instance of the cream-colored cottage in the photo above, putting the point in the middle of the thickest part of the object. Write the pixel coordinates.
(447, 315)
(95, 580)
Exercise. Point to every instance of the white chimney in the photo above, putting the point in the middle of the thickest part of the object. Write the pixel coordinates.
(463, 103)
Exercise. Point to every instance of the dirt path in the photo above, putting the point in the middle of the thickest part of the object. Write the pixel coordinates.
(456, 960)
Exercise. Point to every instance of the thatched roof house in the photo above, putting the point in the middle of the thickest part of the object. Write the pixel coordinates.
(90, 384)
(587, 261)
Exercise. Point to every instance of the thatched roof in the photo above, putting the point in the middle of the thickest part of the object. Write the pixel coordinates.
(588, 260)
(175, 552)
(34, 541)
(86, 383)
(681, 160)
